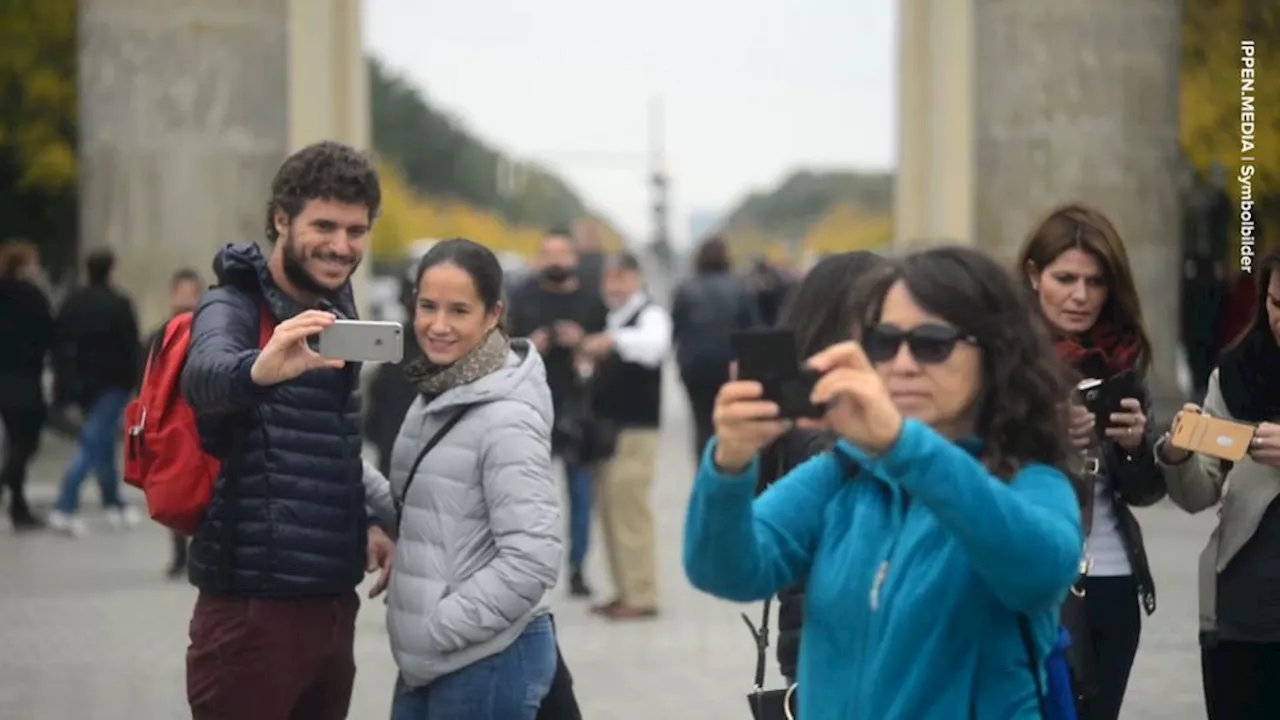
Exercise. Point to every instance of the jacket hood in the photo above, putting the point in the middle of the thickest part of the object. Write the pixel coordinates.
(522, 378)
(243, 266)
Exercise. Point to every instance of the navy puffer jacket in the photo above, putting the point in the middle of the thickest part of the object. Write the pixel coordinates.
(295, 522)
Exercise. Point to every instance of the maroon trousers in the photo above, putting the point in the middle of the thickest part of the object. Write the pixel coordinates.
(271, 659)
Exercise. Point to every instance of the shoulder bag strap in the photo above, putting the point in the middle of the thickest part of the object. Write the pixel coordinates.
(1029, 644)
(761, 636)
(413, 470)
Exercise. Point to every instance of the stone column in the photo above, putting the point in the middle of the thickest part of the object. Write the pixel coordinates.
(183, 121)
(933, 201)
(1078, 101)
(328, 97)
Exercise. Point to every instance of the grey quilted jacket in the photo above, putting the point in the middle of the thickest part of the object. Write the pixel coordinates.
(479, 543)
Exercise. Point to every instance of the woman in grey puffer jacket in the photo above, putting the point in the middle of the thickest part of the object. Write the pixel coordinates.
(479, 543)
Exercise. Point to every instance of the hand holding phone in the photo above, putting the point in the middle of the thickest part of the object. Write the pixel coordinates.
(745, 422)
(288, 353)
(1128, 428)
(1265, 446)
(1081, 426)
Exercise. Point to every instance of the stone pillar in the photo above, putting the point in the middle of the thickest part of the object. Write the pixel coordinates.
(328, 96)
(183, 122)
(1078, 101)
(187, 109)
(933, 201)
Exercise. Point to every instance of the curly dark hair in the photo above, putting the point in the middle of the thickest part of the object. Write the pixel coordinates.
(1023, 384)
(324, 171)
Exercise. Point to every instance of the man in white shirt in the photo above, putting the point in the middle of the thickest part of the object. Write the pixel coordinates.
(627, 408)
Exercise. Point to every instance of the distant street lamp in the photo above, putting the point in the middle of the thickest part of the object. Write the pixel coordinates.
(511, 177)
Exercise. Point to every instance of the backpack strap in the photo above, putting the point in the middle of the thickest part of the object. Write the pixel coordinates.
(1029, 644)
(413, 469)
(266, 321)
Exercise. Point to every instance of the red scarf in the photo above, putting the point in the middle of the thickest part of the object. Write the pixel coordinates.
(1101, 352)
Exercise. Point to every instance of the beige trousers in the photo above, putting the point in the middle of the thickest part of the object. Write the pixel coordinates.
(626, 515)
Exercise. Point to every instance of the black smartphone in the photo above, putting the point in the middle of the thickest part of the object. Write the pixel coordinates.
(1102, 397)
(770, 358)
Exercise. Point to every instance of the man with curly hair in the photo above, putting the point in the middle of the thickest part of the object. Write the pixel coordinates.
(287, 537)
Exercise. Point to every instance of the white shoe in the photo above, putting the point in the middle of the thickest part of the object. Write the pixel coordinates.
(67, 524)
(125, 518)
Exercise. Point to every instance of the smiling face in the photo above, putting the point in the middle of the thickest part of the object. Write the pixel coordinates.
(1072, 290)
(323, 245)
(450, 319)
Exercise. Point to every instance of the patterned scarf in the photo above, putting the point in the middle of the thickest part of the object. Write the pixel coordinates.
(484, 359)
(1099, 353)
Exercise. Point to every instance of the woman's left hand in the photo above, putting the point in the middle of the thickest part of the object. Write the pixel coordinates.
(859, 408)
(1128, 429)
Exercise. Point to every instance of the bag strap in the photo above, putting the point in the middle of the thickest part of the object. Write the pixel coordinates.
(1029, 644)
(761, 636)
(413, 469)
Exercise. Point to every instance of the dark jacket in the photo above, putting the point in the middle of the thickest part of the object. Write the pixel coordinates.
(1135, 481)
(776, 460)
(705, 311)
(294, 522)
(26, 334)
(390, 394)
(96, 344)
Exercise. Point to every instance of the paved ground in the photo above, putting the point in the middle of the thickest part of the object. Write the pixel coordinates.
(89, 630)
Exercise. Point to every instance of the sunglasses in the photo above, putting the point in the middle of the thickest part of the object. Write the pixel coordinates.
(929, 344)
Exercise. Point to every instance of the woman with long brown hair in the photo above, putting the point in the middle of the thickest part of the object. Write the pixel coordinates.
(1076, 265)
(26, 333)
(1240, 566)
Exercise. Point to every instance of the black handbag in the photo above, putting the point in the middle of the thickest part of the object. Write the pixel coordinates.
(1082, 656)
(560, 703)
(777, 704)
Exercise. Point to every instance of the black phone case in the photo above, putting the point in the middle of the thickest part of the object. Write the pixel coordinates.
(770, 358)
(1105, 398)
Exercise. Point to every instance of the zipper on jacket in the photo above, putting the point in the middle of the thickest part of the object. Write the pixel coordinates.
(900, 507)
(898, 510)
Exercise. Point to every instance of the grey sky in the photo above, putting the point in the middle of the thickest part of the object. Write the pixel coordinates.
(751, 88)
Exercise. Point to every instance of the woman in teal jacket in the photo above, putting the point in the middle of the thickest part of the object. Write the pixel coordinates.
(921, 544)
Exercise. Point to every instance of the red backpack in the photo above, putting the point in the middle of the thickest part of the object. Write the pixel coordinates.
(163, 454)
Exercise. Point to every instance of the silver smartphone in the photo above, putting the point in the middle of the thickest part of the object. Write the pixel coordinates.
(375, 341)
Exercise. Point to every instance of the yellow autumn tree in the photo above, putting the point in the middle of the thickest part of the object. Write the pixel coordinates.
(1211, 92)
(848, 227)
(37, 71)
(407, 216)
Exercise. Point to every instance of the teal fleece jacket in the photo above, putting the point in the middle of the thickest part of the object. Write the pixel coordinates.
(917, 570)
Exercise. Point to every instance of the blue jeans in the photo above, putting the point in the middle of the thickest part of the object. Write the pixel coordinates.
(581, 490)
(506, 686)
(97, 452)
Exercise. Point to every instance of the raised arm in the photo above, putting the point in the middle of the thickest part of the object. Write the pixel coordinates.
(524, 518)
(224, 346)
(741, 550)
(1023, 537)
